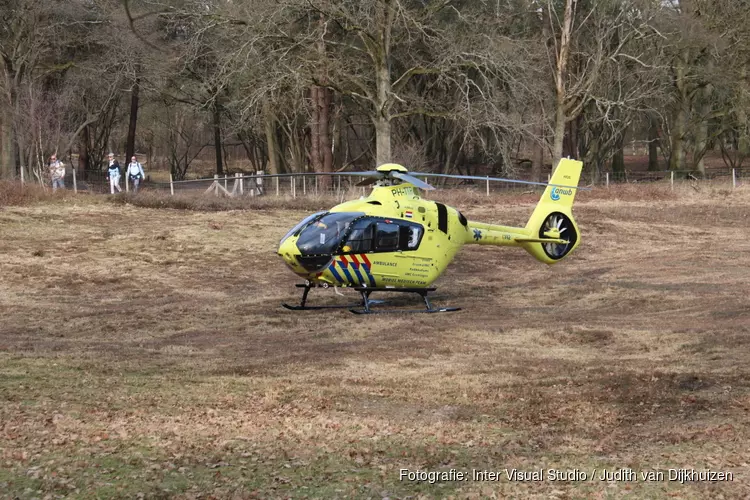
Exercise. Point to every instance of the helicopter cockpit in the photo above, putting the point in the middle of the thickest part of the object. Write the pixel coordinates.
(324, 234)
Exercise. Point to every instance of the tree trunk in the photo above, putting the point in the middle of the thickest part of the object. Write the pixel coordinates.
(559, 134)
(217, 139)
(134, 97)
(382, 122)
(6, 147)
(83, 153)
(677, 156)
(701, 140)
(701, 135)
(537, 166)
(653, 143)
(570, 140)
(381, 118)
(322, 154)
(324, 96)
(317, 164)
(618, 159)
(561, 70)
(269, 127)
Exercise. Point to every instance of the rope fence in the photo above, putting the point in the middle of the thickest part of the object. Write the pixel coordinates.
(338, 183)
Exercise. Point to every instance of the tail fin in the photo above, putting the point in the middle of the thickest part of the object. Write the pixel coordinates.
(553, 216)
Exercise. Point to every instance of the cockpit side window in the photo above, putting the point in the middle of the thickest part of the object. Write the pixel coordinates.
(360, 240)
(387, 237)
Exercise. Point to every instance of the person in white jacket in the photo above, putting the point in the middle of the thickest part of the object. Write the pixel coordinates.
(113, 174)
(56, 173)
(135, 173)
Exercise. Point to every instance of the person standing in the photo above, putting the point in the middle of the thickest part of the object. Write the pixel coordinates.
(113, 174)
(135, 173)
(56, 173)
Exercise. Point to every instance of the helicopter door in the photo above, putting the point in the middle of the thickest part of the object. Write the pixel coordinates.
(373, 235)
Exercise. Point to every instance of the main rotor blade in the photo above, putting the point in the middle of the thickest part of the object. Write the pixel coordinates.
(501, 179)
(367, 182)
(412, 180)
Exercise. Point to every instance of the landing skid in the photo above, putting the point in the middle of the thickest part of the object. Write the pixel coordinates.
(364, 307)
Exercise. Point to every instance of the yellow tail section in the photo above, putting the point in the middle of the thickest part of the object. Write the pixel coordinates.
(553, 216)
(551, 232)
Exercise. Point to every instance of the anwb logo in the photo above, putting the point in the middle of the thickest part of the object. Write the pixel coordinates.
(556, 192)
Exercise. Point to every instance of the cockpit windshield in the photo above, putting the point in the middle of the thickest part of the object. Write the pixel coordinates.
(323, 236)
(301, 225)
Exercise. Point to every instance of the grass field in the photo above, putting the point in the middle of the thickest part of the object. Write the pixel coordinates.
(144, 353)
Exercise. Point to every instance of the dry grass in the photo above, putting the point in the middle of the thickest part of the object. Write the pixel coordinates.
(207, 203)
(143, 351)
(17, 194)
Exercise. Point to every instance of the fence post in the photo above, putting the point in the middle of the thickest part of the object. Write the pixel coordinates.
(488, 185)
(304, 185)
(293, 185)
(216, 182)
(671, 179)
(22, 179)
(607, 178)
(277, 186)
(75, 184)
(316, 185)
(171, 184)
(734, 178)
(127, 182)
(259, 182)
(242, 183)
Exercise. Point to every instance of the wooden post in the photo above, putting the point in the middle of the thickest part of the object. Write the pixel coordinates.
(488, 185)
(606, 174)
(304, 184)
(293, 184)
(277, 185)
(259, 181)
(242, 185)
(171, 184)
(671, 180)
(127, 182)
(22, 179)
(216, 185)
(734, 178)
(225, 182)
(75, 184)
(316, 185)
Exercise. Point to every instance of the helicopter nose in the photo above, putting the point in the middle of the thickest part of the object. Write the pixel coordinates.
(289, 252)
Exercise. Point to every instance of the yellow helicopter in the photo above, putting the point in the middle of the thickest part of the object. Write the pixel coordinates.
(395, 241)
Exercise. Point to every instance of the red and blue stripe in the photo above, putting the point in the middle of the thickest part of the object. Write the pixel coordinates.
(352, 266)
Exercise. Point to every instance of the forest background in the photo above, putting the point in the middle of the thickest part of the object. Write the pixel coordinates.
(501, 87)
